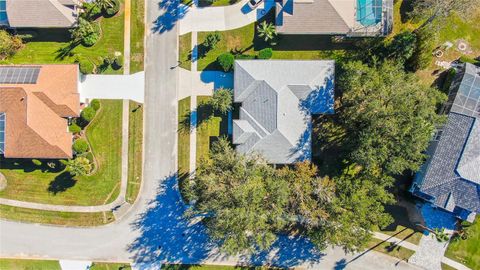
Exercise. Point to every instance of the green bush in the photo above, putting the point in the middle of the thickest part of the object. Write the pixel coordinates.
(80, 146)
(211, 40)
(36, 162)
(88, 114)
(85, 66)
(91, 39)
(95, 104)
(86, 32)
(74, 128)
(226, 60)
(265, 53)
(9, 44)
(111, 11)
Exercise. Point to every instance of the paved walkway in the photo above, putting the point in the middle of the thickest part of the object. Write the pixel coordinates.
(117, 205)
(113, 87)
(126, 36)
(221, 18)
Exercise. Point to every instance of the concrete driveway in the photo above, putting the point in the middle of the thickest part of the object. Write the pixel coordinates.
(113, 87)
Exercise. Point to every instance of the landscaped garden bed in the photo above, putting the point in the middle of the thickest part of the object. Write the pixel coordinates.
(42, 184)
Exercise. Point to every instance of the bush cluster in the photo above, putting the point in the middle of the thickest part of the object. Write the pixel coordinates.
(111, 11)
(80, 146)
(36, 162)
(226, 60)
(86, 66)
(95, 104)
(265, 53)
(88, 114)
(74, 128)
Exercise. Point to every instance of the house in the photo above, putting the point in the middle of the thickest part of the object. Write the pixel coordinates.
(36, 102)
(334, 17)
(277, 100)
(450, 178)
(39, 13)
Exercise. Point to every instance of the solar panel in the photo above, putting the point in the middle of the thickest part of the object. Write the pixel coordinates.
(467, 101)
(2, 133)
(19, 75)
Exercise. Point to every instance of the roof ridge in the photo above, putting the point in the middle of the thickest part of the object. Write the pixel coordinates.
(59, 7)
(340, 16)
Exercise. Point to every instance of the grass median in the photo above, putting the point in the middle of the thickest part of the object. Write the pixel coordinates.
(135, 150)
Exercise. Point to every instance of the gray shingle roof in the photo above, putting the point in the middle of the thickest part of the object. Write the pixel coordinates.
(452, 173)
(41, 13)
(277, 99)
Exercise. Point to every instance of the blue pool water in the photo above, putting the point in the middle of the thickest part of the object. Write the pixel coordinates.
(369, 12)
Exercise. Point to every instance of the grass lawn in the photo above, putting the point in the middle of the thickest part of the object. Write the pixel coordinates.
(17, 264)
(467, 251)
(135, 150)
(45, 47)
(54, 217)
(137, 30)
(210, 127)
(27, 182)
(184, 48)
(447, 267)
(110, 266)
(390, 249)
(217, 3)
(183, 142)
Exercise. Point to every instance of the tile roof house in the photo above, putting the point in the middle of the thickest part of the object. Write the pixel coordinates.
(450, 178)
(39, 13)
(35, 102)
(277, 100)
(334, 17)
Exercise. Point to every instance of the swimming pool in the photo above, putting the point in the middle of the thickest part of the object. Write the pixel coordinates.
(369, 12)
(3, 12)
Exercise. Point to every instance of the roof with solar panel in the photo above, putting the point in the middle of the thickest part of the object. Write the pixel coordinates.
(451, 176)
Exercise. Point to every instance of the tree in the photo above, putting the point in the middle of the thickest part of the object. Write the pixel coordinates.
(266, 31)
(104, 4)
(388, 116)
(222, 100)
(402, 46)
(78, 166)
(242, 199)
(85, 32)
(431, 10)
(212, 39)
(9, 44)
(425, 44)
(226, 60)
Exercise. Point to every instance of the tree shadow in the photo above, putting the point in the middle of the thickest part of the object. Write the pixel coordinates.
(61, 183)
(405, 8)
(26, 165)
(66, 51)
(174, 10)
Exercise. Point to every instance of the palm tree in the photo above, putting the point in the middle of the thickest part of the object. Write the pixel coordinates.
(104, 4)
(266, 31)
(79, 166)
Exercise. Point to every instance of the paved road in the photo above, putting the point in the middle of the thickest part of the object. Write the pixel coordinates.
(111, 242)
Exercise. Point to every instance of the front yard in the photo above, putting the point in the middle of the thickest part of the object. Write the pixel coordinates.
(27, 182)
(46, 46)
(467, 251)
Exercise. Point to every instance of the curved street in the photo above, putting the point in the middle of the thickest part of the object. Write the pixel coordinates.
(154, 230)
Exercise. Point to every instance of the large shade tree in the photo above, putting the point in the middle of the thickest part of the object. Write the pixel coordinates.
(432, 10)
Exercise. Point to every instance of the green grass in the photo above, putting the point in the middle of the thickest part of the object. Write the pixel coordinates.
(184, 48)
(28, 183)
(210, 126)
(135, 150)
(110, 266)
(18, 264)
(137, 31)
(390, 249)
(447, 267)
(217, 3)
(44, 48)
(54, 217)
(183, 142)
(467, 251)
(456, 28)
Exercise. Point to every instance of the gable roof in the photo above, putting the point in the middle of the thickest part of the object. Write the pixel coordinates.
(452, 173)
(41, 13)
(35, 124)
(277, 99)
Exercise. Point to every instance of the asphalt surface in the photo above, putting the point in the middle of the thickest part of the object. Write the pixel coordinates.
(112, 242)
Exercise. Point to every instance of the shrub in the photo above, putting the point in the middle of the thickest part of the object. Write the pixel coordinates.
(90, 10)
(95, 104)
(265, 53)
(465, 59)
(74, 128)
(78, 166)
(117, 62)
(113, 9)
(222, 100)
(86, 32)
(85, 66)
(9, 44)
(88, 114)
(212, 39)
(80, 146)
(226, 60)
(36, 162)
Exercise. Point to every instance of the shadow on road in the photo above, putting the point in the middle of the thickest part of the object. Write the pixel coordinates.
(173, 10)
